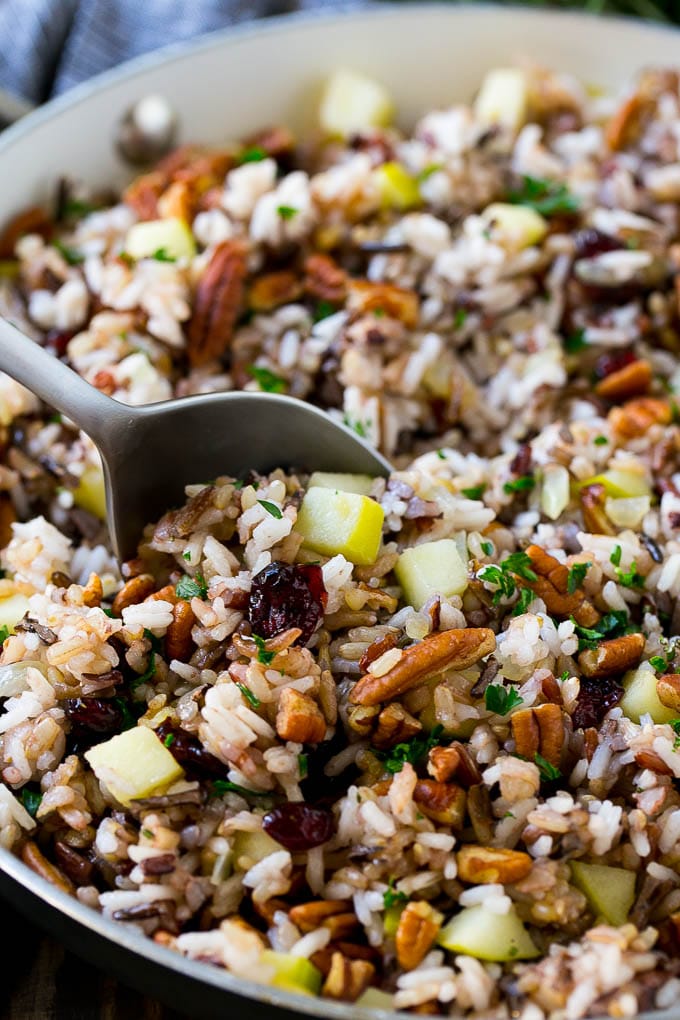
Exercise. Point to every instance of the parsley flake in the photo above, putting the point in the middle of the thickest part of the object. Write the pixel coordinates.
(526, 597)
(613, 624)
(70, 255)
(409, 751)
(191, 587)
(253, 154)
(271, 508)
(248, 695)
(615, 557)
(474, 492)
(222, 786)
(163, 255)
(519, 563)
(549, 198)
(323, 310)
(548, 771)
(148, 674)
(286, 212)
(659, 663)
(600, 440)
(500, 699)
(31, 800)
(460, 318)
(487, 548)
(630, 578)
(267, 380)
(575, 342)
(525, 483)
(441, 454)
(303, 766)
(393, 897)
(76, 208)
(4, 633)
(358, 426)
(263, 656)
(576, 576)
(169, 740)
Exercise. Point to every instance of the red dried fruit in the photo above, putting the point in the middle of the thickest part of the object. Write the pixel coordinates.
(606, 364)
(94, 715)
(190, 753)
(285, 595)
(591, 242)
(57, 341)
(298, 826)
(595, 699)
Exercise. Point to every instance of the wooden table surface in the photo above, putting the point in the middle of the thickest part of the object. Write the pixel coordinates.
(44, 982)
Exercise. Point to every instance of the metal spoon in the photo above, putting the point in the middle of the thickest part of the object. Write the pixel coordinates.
(150, 453)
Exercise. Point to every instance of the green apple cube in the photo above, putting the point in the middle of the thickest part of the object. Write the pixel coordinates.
(640, 697)
(620, 483)
(398, 188)
(362, 484)
(353, 102)
(478, 932)
(333, 522)
(253, 846)
(134, 764)
(373, 998)
(90, 493)
(433, 568)
(610, 891)
(294, 973)
(515, 226)
(502, 99)
(12, 609)
(170, 238)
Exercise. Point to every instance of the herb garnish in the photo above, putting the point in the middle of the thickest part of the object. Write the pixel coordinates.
(221, 786)
(163, 255)
(70, 255)
(409, 751)
(548, 771)
(525, 483)
(392, 897)
(502, 576)
(248, 695)
(323, 310)
(263, 656)
(500, 699)
(615, 557)
(613, 624)
(487, 548)
(169, 740)
(526, 597)
(460, 318)
(549, 198)
(191, 587)
(576, 576)
(31, 801)
(630, 578)
(575, 342)
(267, 380)
(271, 508)
(286, 212)
(303, 766)
(475, 492)
(357, 425)
(4, 633)
(253, 154)
(600, 440)
(76, 208)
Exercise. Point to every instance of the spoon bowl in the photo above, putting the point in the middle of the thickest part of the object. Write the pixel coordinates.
(151, 453)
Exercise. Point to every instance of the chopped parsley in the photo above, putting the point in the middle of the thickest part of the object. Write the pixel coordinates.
(516, 563)
(323, 310)
(128, 718)
(271, 508)
(519, 563)
(358, 426)
(564, 676)
(575, 342)
(248, 695)
(441, 454)
(576, 576)
(147, 833)
(148, 674)
(525, 483)
(303, 766)
(659, 663)
(263, 656)
(548, 771)
(169, 740)
(191, 587)
(500, 699)
(186, 556)
(460, 317)
(70, 255)
(615, 557)
(409, 751)
(614, 624)
(163, 255)
(286, 212)
(427, 171)
(487, 548)
(222, 786)
(475, 492)
(155, 642)
(630, 578)
(600, 440)
(4, 633)
(31, 801)
(549, 198)
(253, 154)
(76, 208)
(108, 612)
(393, 897)
(267, 380)
(526, 597)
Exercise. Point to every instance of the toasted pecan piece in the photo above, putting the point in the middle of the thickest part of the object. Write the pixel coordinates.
(133, 591)
(34, 858)
(395, 725)
(442, 802)
(178, 641)
(273, 289)
(299, 718)
(397, 302)
(34, 220)
(347, 979)
(324, 279)
(539, 730)
(615, 656)
(636, 417)
(668, 690)
(419, 926)
(451, 649)
(379, 647)
(552, 586)
(488, 865)
(595, 520)
(442, 763)
(93, 591)
(626, 382)
(217, 304)
(310, 916)
(142, 194)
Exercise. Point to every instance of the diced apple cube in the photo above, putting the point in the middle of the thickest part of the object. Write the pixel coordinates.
(353, 102)
(295, 973)
(346, 523)
(362, 484)
(610, 891)
(620, 483)
(90, 493)
(502, 98)
(134, 764)
(433, 568)
(253, 847)
(627, 511)
(478, 932)
(640, 697)
(172, 238)
(398, 188)
(12, 609)
(514, 226)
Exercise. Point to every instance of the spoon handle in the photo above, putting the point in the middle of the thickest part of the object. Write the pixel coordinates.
(58, 385)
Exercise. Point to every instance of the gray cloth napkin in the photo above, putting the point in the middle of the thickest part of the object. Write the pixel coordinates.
(49, 45)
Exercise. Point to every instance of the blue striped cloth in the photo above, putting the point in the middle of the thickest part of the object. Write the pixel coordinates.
(46, 46)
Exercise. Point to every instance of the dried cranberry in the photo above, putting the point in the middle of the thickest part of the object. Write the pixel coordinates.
(95, 715)
(606, 364)
(298, 826)
(190, 753)
(595, 699)
(591, 242)
(287, 595)
(57, 341)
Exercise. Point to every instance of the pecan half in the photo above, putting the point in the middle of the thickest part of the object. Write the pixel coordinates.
(442, 802)
(180, 523)
(668, 690)
(310, 916)
(629, 381)
(488, 865)
(451, 649)
(595, 520)
(93, 591)
(625, 125)
(347, 979)
(273, 289)
(442, 763)
(397, 302)
(614, 656)
(636, 417)
(34, 858)
(325, 280)
(177, 202)
(178, 642)
(539, 731)
(395, 725)
(133, 591)
(299, 718)
(551, 585)
(419, 926)
(217, 304)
